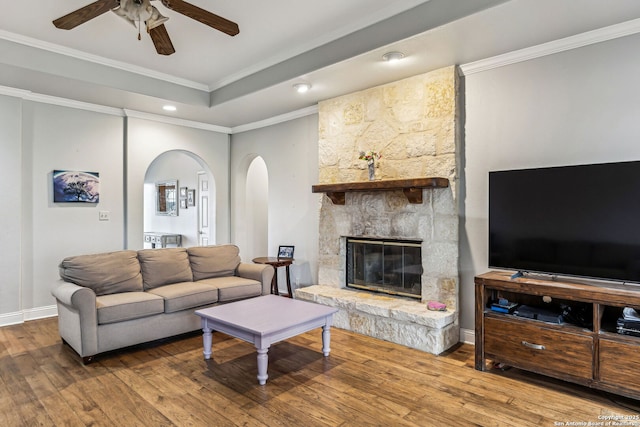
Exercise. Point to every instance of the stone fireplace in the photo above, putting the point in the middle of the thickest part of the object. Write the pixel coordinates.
(412, 123)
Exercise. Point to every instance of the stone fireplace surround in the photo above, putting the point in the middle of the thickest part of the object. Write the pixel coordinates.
(401, 320)
(413, 124)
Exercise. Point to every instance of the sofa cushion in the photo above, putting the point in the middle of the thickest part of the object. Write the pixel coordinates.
(181, 296)
(106, 273)
(164, 266)
(232, 287)
(127, 306)
(213, 261)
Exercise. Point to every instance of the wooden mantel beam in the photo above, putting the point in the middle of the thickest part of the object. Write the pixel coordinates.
(411, 187)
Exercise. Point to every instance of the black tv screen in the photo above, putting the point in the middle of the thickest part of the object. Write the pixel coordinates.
(573, 220)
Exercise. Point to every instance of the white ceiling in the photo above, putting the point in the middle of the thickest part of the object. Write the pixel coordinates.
(335, 45)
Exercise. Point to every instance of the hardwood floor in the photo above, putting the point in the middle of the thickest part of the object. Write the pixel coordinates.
(363, 382)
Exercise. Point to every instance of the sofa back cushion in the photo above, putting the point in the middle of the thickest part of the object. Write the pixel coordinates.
(164, 266)
(213, 261)
(106, 273)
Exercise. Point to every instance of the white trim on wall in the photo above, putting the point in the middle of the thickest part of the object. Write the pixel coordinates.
(64, 102)
(19, 317)
(573, 42)
(468, 336)
(176, 121)
(71, 103)
(277, 119)
(40, 312)
(568, 43)
(73, 53)
(56, 100)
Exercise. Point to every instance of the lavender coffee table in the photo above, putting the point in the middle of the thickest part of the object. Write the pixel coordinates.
(266, 320)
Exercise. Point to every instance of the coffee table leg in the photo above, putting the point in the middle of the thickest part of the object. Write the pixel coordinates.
(326, 339)
(206, 341)
(263, 363)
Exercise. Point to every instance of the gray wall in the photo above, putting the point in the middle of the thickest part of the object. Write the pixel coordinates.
(55, 137)
(36, 138)
(11, 186)
(579, 106)
(576, 107)
(146, 140)
(290, 152)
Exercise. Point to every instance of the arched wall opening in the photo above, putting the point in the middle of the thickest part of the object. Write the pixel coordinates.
(185, 168)
(252, 217)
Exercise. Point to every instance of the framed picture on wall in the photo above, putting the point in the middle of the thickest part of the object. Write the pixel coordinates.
(183, 203)
(285, 251)
(75, 186)
(191, 197)
(183, 192)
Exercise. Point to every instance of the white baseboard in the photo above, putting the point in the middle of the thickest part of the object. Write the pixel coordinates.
(18, 317)
(468, 336)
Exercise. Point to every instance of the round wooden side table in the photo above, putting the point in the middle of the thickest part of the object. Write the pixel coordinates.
(275, 263)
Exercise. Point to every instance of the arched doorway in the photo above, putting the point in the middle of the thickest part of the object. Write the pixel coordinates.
(188, 170)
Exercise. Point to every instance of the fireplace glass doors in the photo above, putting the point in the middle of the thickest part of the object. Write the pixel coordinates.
(388, 266)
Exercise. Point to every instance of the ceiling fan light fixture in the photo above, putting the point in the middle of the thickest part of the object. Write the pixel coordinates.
(137, 12)
(392, 57)
(302, 87)
(156, 19)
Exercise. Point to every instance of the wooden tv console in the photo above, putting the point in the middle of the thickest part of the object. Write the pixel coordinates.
(595, 356)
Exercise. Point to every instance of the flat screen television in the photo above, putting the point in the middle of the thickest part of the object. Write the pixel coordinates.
(581, 221)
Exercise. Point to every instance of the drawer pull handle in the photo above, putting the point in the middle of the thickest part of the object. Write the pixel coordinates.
(533, 346)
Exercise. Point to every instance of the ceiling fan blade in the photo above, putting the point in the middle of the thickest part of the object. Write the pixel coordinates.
(85, 14)
(214, 21)
(161, 40)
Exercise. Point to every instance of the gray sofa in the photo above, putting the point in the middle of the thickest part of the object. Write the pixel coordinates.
(117, 299)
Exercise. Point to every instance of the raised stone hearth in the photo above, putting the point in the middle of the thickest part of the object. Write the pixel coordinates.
(392, 319)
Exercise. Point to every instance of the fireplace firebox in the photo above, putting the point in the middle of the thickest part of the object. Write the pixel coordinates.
(392, 266)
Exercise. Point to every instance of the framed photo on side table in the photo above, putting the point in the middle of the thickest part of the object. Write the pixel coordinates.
(285, 251)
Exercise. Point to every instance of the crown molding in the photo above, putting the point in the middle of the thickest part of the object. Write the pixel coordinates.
(176, 121)
(561, 45)
(16, 93)
(63, 102)
(276, 119)
(62, 50)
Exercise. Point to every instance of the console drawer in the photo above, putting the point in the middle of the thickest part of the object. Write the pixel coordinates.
(533, 347)
(620, 364)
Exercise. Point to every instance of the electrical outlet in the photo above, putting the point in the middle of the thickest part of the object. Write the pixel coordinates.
(103, 215)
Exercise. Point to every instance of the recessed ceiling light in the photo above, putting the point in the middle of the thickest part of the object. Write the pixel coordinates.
(169, 108)
(393, 56)
(302, 87)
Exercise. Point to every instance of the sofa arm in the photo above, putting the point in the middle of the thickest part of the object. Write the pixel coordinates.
(260, 272)
(77, 317)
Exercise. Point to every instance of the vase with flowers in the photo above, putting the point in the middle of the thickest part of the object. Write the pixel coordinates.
(370, 157)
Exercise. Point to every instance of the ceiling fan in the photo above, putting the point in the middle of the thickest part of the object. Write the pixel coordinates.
(138, 11)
